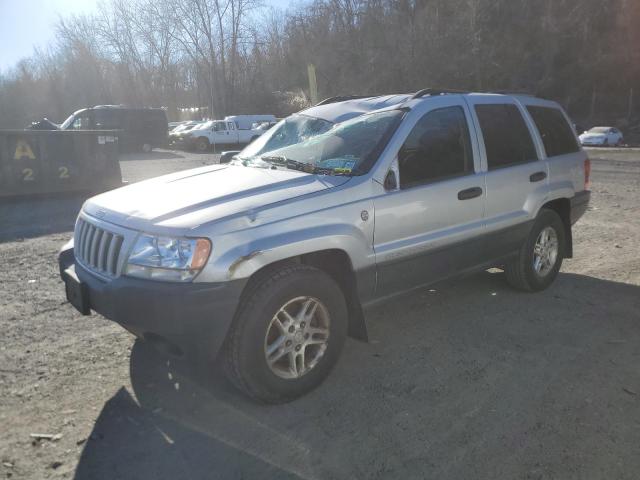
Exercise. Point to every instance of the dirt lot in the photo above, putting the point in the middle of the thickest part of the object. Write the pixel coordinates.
(468, 380)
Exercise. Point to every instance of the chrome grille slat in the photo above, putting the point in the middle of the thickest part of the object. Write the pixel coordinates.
(112, 258)
(118, 240)
(101, 250)
(84, 230)
(87, 243)
(95, 243)
(97, 248)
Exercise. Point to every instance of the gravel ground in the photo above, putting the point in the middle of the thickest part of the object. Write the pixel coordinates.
(467, 380)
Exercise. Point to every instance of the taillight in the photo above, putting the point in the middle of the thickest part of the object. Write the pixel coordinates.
(587, 174)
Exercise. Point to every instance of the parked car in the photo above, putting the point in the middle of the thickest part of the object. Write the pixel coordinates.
(175, 135)
(142, 128)
(173, 125)
(267, 263)
(602, 137)
(216, 132)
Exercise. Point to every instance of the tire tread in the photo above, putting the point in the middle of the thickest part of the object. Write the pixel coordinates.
(257, 289)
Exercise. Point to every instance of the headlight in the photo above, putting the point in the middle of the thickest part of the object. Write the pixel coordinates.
(168, 259)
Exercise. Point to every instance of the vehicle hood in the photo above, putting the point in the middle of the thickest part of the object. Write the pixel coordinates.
(191, 198)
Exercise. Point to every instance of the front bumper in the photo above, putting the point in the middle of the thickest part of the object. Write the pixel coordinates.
(579, 205)
(183, 142)
(190, 319)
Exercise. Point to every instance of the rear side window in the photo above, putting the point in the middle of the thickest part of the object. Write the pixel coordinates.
(438, 147)
(556, 134)
(506, 137)
(106, 119)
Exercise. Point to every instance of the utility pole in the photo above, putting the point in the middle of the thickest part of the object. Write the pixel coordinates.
(313, 84)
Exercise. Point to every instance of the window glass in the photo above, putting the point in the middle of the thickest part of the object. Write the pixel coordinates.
(106, 119)
(506, 136)
(557, 135)
(220, 127)
(350, 148)
(438, 147)
(292, 130)
(81, 123)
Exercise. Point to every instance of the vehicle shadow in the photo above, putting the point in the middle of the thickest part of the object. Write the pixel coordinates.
(27, 217)
(468, 379)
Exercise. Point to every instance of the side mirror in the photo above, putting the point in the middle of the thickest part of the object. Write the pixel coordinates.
(390, 182)
(226, 157)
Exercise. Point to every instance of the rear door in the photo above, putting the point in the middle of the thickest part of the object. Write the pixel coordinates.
(429, 227)
(516, 177)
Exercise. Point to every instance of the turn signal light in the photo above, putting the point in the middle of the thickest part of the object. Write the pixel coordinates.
(587, 174)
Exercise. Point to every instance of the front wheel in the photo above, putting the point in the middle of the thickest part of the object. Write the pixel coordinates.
(540, 257)
(287, 335)
(202, 145)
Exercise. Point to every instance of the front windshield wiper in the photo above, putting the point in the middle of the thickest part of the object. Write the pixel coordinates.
(281, 161)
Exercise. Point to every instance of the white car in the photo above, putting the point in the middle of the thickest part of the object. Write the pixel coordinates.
(602, 137)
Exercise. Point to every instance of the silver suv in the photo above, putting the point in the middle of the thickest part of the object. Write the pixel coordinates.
(267, 263)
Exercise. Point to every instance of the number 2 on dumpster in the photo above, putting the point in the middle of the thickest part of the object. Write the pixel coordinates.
(27, 175)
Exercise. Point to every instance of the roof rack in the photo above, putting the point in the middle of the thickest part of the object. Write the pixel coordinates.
(512, 92)
(433, 92)
(340, 98)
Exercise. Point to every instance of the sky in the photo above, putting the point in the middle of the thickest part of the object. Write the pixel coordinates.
(25, 24)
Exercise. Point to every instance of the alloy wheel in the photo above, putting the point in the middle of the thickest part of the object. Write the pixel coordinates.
(545, 251)
(297, 337)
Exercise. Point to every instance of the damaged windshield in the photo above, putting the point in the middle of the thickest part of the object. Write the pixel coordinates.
(289, 131)
(349, 148)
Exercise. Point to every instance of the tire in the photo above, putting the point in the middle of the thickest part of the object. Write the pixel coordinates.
(605, 143)
(246, 345)
(521, 272)
(202, 144)
(146, 148)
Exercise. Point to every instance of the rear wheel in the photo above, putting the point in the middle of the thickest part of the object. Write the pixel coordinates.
(287, 335)
(540, 257)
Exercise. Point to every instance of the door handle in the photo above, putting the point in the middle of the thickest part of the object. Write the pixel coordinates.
(537, 177)
(469, 193)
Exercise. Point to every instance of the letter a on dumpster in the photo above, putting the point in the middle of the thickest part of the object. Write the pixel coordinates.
(23, 150)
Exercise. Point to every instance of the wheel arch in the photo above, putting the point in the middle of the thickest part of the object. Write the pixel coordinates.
(562, 206)
(337, 264)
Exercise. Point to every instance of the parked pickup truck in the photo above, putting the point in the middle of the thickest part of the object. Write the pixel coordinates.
(216, 132)
(267, 263)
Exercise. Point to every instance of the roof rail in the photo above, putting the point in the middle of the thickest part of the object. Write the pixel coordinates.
(512, 92)
(340, 98)
(433, 92)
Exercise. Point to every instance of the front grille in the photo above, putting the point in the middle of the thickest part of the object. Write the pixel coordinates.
(97, 248)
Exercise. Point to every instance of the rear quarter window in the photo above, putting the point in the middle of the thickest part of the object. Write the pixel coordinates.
(506, 137)
(556, 133)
